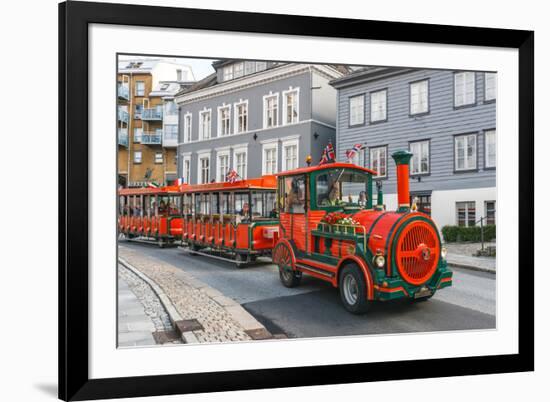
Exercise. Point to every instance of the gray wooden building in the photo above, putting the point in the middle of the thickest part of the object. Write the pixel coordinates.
(255, 117)
(447, 119)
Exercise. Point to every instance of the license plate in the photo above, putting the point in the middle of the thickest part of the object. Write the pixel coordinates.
(423, 292)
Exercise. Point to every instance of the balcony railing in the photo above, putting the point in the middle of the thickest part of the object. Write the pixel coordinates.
(151, 137)
(170, 139)
(123, 137)
(151, 114)
(123, 116)
(123, 91)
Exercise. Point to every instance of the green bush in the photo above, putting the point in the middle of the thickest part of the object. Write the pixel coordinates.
(453, 234)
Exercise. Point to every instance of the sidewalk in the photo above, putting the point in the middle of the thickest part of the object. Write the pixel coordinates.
(461, 255)
(200, 313)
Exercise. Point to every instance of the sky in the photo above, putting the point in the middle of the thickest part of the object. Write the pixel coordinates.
(201, 67)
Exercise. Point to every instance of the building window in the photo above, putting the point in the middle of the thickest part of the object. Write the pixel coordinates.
(170, 131)
(158, 157)
(356, 110)
(269, 165)
(224, 120)
(490, 86)
(205, 120)
(290, 106)
(261, 65)
(187, 125)
(137, 156)
(271, 109)
(490, 148)
(423, 203)
(140, 88)
(378, 105)
(223, 166)
(238, 70)
(170, 108)
(241, 117)
(204, 169)
(228, 73)
(290, 155)
(466, 152)
(490, 212)
(378, 158)
(420, 161)
(186, 168)
(249, 67)
(138, 132)
(465, 89)
(419, 97)
(138, 110)
(466, 213)
(239, 161)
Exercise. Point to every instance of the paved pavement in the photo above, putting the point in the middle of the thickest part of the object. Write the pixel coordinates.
(314, 309)
(135, 328)
(461, 255)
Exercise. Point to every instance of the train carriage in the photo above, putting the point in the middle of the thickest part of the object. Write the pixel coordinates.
(330, 229)
(152, 214)
(232, 221)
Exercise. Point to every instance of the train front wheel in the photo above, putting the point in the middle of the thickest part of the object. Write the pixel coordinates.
(283, 258)
(353, 289)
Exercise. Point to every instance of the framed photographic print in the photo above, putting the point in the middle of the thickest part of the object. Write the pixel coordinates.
(258, 200)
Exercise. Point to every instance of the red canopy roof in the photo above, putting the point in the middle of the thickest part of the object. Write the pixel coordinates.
(262, 183)
(334, 165)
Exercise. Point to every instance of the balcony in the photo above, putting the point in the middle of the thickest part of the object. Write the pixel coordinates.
(170, 138)
(151, 114)
(123, 137)
(123, 92)
(151, 137)
(122, 116)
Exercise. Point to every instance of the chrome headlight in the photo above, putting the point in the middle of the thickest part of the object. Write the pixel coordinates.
(443, 252)
(379, 260)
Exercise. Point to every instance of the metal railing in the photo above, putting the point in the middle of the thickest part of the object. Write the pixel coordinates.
(338, 228)
(123, 91)
(123, 116)
(151, 114)
(123, 137)
(151, 137)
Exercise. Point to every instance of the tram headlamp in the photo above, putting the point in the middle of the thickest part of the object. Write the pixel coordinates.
(379, 260)
(443, 252)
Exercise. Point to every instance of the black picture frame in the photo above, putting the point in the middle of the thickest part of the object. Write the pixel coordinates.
(74, 18)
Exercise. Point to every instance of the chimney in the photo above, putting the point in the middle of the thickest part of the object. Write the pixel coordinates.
(402, 159)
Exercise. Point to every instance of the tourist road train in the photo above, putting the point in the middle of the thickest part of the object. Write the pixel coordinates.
(318, 220)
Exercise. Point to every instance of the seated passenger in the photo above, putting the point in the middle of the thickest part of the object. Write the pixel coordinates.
(333, 197)
(162, 208)
(362, 199)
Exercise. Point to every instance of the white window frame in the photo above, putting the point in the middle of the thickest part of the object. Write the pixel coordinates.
(136, 88)
(249, 67)
(200, 156)
(227, 72)
(157, 162)
(135, 160)
(270, 145)
(371, 157)
(220, 121)
(201, 125)
(353, 110)
(494, 133)
(493, 95)
(220, 176)
(416, 160)
(466, 165)
(464, 89)
(265, 110)
(236, 116)
(288, 143)
(137, 137)
(241, 74)
(466, 213)
(187, 128)
(374, 118)
(261, 65)
(296, 92)
(419, 91)
(243, 149)
(186, 172)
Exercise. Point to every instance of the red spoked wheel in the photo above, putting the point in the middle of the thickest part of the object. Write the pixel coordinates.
(283, 257)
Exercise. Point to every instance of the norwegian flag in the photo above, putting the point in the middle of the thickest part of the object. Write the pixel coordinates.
(231, 176)
(331, 155)
(324, 158)
(179, 181)
(350, 153)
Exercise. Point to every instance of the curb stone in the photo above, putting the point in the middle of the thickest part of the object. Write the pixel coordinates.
(250, 325)
(472, 267)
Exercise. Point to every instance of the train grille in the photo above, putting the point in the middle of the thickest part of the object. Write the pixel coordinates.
(417, 252)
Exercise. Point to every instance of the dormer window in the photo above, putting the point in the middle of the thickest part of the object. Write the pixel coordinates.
(238, 70)
(228, 73)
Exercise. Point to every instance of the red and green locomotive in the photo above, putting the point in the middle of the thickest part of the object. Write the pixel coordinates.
(330, 229)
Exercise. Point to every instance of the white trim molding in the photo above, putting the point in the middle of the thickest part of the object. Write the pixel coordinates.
(201, 155)
(268, 146)
(187, 131)
(290, 90)
(219, 117)
(240, 149)
(265, 98)
(220, 176)
(236, 116)
(286, 143)
(201, 125)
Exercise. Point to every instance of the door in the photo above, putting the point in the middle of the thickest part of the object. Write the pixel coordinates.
(293, 210)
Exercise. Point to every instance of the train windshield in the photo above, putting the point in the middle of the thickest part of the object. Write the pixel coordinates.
(342, 187)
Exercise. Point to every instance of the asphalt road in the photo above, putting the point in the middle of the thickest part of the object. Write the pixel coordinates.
(313, 309)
